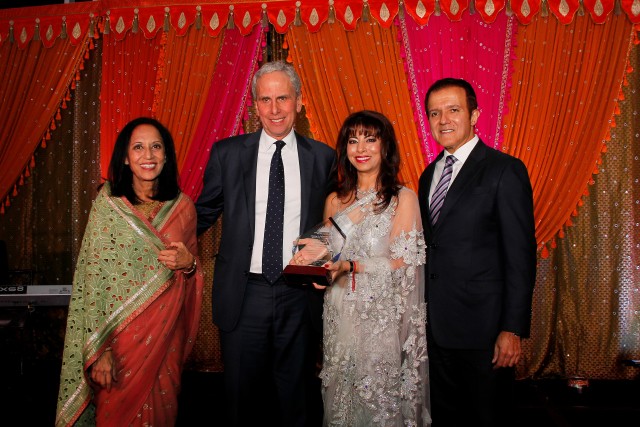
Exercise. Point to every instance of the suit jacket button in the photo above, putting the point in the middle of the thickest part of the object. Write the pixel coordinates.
(433, 276)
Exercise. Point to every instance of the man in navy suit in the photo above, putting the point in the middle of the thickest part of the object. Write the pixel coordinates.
(266, 334)
(481, 265)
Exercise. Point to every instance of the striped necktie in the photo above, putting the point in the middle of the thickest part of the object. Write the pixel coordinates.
(437, 199)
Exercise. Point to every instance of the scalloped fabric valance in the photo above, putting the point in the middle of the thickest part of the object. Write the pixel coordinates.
(47, 23)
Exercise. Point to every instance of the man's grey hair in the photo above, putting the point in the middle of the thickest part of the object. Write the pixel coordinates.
(274, 66)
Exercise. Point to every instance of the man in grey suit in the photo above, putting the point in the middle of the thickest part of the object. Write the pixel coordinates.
(266, 332)
(477, 211)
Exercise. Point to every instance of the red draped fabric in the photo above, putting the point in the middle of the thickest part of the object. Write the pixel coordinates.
(181, 81)
(222, 114)
(471, 49)
(566, 80)
(185, 72)
(67, 25)
(214, 15)
(129, 72)
(36, 82)
(344, 72)
(33, 43)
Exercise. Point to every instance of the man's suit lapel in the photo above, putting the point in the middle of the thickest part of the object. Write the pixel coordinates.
(307, 159)
(462, 180)
(249, 164)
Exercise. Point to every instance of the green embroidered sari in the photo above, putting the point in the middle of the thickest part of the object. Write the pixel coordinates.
(125, 299)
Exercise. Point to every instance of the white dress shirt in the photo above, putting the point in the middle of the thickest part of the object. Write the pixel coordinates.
(292, 197)
(462, 154)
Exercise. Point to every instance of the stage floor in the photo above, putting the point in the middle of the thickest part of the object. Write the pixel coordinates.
(28, 398)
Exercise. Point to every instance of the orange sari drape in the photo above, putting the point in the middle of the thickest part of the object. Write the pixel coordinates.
(344, 72)
(151, 396)
(564, 92)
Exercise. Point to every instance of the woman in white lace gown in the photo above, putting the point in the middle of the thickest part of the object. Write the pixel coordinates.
(375, 369)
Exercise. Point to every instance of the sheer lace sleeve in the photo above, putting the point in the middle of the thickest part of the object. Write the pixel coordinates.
(405, 240)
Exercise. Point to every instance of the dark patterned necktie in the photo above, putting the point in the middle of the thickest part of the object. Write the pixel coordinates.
(272, 246)
(437, 199)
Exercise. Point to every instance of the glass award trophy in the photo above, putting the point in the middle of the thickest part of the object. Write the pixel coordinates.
(312, 250)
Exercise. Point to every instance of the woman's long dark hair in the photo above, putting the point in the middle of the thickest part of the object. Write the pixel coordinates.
(120, 175)
(368, 123)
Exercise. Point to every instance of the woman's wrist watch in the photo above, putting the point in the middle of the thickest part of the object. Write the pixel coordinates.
(192, 267)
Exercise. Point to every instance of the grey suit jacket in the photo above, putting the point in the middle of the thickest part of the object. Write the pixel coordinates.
(230, 187)
(481, 254)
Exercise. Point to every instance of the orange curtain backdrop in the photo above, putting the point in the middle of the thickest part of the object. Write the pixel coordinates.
(344, 72)
(129, 73)
(226, 103)
(186, 69)
(565, 86)
(586, 306)
(35, 84)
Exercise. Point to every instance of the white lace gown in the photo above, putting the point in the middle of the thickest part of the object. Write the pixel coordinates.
(375, 353)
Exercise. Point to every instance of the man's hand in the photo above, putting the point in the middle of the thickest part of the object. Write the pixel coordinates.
(507, 350)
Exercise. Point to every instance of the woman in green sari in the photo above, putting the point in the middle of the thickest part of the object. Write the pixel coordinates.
(137, 291)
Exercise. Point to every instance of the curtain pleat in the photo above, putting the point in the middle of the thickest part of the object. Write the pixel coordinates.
(586, 320)
(344, 72)
(225, 104)
(44, 226)
(186, 70)
(129, 73)
(562, 115)
(35, 81)
(565, 86)
(471, 49)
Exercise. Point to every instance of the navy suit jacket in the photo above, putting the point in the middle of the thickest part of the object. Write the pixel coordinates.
(481, 254)
(230, 187)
